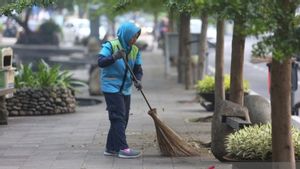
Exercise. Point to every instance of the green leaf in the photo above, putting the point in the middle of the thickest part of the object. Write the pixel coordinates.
(45, 76)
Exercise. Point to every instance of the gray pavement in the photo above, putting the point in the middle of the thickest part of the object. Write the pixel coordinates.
(77, 140)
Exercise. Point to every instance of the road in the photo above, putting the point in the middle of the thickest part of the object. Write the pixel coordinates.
(256, 74)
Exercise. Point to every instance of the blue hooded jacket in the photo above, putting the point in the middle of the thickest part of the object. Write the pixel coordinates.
(113, 72)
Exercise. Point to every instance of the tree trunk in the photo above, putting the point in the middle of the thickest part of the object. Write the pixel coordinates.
(113, 27)
(217, 134)
(282, 147)
(155, 15)
(283, 150)
(94, 22)
(237, 62)
(181, 49)
(172, 21)
(24, 24)
(187, 62)
(202, 47)
(219, 73)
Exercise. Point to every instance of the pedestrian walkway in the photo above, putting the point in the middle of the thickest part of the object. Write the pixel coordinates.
(77, 140)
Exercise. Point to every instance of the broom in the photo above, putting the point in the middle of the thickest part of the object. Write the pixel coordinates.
(170, 143)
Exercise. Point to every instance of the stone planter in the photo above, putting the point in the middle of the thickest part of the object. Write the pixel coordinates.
(45, 101)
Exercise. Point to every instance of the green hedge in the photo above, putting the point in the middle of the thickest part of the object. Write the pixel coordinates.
(255, 143)
(207, 84)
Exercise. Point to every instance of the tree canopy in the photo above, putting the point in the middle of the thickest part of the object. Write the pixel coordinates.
(8, 7)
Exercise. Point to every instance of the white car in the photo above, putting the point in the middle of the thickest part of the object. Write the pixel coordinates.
(195, 27)
(75, 29)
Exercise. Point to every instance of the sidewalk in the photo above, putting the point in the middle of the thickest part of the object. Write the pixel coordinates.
(77, 140)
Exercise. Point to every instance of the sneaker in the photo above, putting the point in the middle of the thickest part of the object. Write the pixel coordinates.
(129, 153)
(110, 153)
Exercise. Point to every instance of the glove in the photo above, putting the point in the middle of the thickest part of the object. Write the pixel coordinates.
(119, 54)
(138, 85)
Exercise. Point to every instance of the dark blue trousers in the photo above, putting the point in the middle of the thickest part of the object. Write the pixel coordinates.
(118, 106)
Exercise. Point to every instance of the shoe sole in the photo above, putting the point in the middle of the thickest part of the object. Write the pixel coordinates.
(109, 154)
(129, 157)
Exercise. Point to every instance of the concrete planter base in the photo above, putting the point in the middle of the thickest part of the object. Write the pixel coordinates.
(257, 164)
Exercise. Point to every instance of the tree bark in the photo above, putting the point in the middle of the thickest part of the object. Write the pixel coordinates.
(237, 62)
(113, 27)
(217, 130)
(180, 59)
(219, 73)
(202, 47)
(155, 15)
(171, 20)
(282, 147)
(94, 22)
(24, 24)
(187, 62)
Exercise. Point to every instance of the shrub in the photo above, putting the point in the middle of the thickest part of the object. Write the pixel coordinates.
(255, 143)
(49, 33)
(207, 84)
(45, 76)
(49, 28)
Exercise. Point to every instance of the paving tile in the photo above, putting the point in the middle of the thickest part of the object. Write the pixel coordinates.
(77, 140)
(9, 167)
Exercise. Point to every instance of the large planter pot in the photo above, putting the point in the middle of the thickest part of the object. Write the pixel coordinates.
(44, 101)
(210, 97)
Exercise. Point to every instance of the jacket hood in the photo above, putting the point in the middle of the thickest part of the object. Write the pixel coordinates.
(125, 33)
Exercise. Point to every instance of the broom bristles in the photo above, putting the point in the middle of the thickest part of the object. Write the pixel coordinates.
(170, 143)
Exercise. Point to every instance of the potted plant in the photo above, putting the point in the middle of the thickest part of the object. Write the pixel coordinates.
(46, 91)
(205, 87)
(254, 144)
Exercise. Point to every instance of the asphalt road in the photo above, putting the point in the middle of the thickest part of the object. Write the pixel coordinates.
(256, 74)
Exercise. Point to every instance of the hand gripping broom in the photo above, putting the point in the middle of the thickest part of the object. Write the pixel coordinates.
(170, 143)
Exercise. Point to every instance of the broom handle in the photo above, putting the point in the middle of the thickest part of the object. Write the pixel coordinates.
(135, 79)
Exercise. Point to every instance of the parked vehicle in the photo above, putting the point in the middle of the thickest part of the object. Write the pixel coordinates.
(195, 27)
(76, 29)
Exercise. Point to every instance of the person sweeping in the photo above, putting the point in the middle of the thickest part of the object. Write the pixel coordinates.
(116, 84)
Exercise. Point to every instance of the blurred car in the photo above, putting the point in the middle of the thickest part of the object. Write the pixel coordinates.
(195, 27)
(76, 29)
